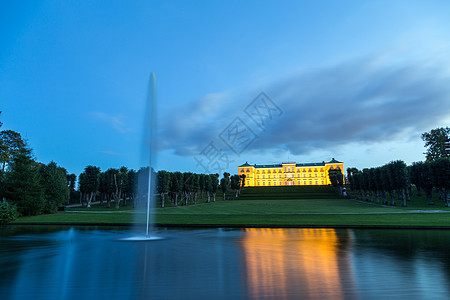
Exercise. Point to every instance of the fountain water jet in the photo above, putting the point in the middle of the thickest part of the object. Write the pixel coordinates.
(148, 145)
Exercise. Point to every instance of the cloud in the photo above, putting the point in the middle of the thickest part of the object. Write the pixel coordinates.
(363, 101)
(115, 121)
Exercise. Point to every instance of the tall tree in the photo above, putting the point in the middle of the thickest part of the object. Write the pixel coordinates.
(22, 185)
(89, 183)
(122, 179)
(387, 182)
(243, 176)
(131, 186)
(440, 170)
(435, 142)
(214, 185)
(400, 179)
(195, 186)
(11, 143)
(201, 184)
(235, 184)
(187, 187)
(208, 187)
(176, 186)
(163, 185)
(224, 187)
(54, 183)
(425, 179)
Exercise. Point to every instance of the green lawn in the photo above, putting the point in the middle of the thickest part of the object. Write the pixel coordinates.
(270, 206)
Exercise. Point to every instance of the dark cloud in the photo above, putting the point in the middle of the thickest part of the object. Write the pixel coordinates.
(366, 101)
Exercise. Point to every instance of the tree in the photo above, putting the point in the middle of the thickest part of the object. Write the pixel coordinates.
(379, 184)
(424, 179)
(8, 212)
(187, 186)
(195, 186)
(54, 183)
(214, 185)
(350, 179)
(208, 187)
(163, 185)
(103, 189)
(176, 186)
(435, 141)
(399, 179)
(387, 182)
(131, 186)
(122, 183)
(440, 170)
(227, 178)
(414, 171)
(235, 184)
(11, 143)
(224, 186)
(89, 183)
(71, 180)
(243, 176)
(22, 185)
(201, 184)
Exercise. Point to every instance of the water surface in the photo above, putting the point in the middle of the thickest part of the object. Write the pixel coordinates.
(92, 263)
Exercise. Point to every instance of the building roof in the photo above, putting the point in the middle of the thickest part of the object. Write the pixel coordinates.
(333, 161)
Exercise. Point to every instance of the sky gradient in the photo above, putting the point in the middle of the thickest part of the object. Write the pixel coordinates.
(355, 80)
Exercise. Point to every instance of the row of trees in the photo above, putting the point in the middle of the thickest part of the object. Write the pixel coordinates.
(185, 187)
(373, 184)
(179, 188)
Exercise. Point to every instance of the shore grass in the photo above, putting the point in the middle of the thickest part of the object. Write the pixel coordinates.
(263, 207)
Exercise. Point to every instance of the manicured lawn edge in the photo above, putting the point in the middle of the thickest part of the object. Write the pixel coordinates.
(238, 226)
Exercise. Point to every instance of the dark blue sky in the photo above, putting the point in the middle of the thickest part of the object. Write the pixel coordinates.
(355, 80)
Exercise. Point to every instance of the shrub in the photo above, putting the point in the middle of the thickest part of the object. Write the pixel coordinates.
(8, 212)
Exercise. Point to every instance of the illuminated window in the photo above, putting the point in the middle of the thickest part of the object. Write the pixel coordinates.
(256, 176)
(269, 182)
(268, 176)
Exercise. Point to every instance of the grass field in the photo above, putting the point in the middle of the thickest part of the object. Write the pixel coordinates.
(269, 206)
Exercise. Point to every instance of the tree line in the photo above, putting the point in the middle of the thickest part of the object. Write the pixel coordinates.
(381, 184)
(176, 188)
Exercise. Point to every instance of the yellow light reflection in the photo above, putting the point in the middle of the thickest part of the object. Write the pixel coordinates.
(284, 263)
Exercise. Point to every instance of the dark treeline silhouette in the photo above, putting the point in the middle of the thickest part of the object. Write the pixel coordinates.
(382, 184)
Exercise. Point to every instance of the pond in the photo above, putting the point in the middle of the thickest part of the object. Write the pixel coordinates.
(48, 262)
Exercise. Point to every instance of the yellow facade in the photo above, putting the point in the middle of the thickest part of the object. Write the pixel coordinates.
(289, 173)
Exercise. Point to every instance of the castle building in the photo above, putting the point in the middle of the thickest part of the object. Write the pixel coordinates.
(289, 173)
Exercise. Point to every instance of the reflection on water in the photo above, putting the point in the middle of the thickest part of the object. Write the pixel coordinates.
(282, 263)
(93, 263)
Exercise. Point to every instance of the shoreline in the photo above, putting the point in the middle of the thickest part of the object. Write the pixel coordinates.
(157, 225)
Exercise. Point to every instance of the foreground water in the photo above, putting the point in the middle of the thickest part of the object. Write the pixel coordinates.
(96, 263)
